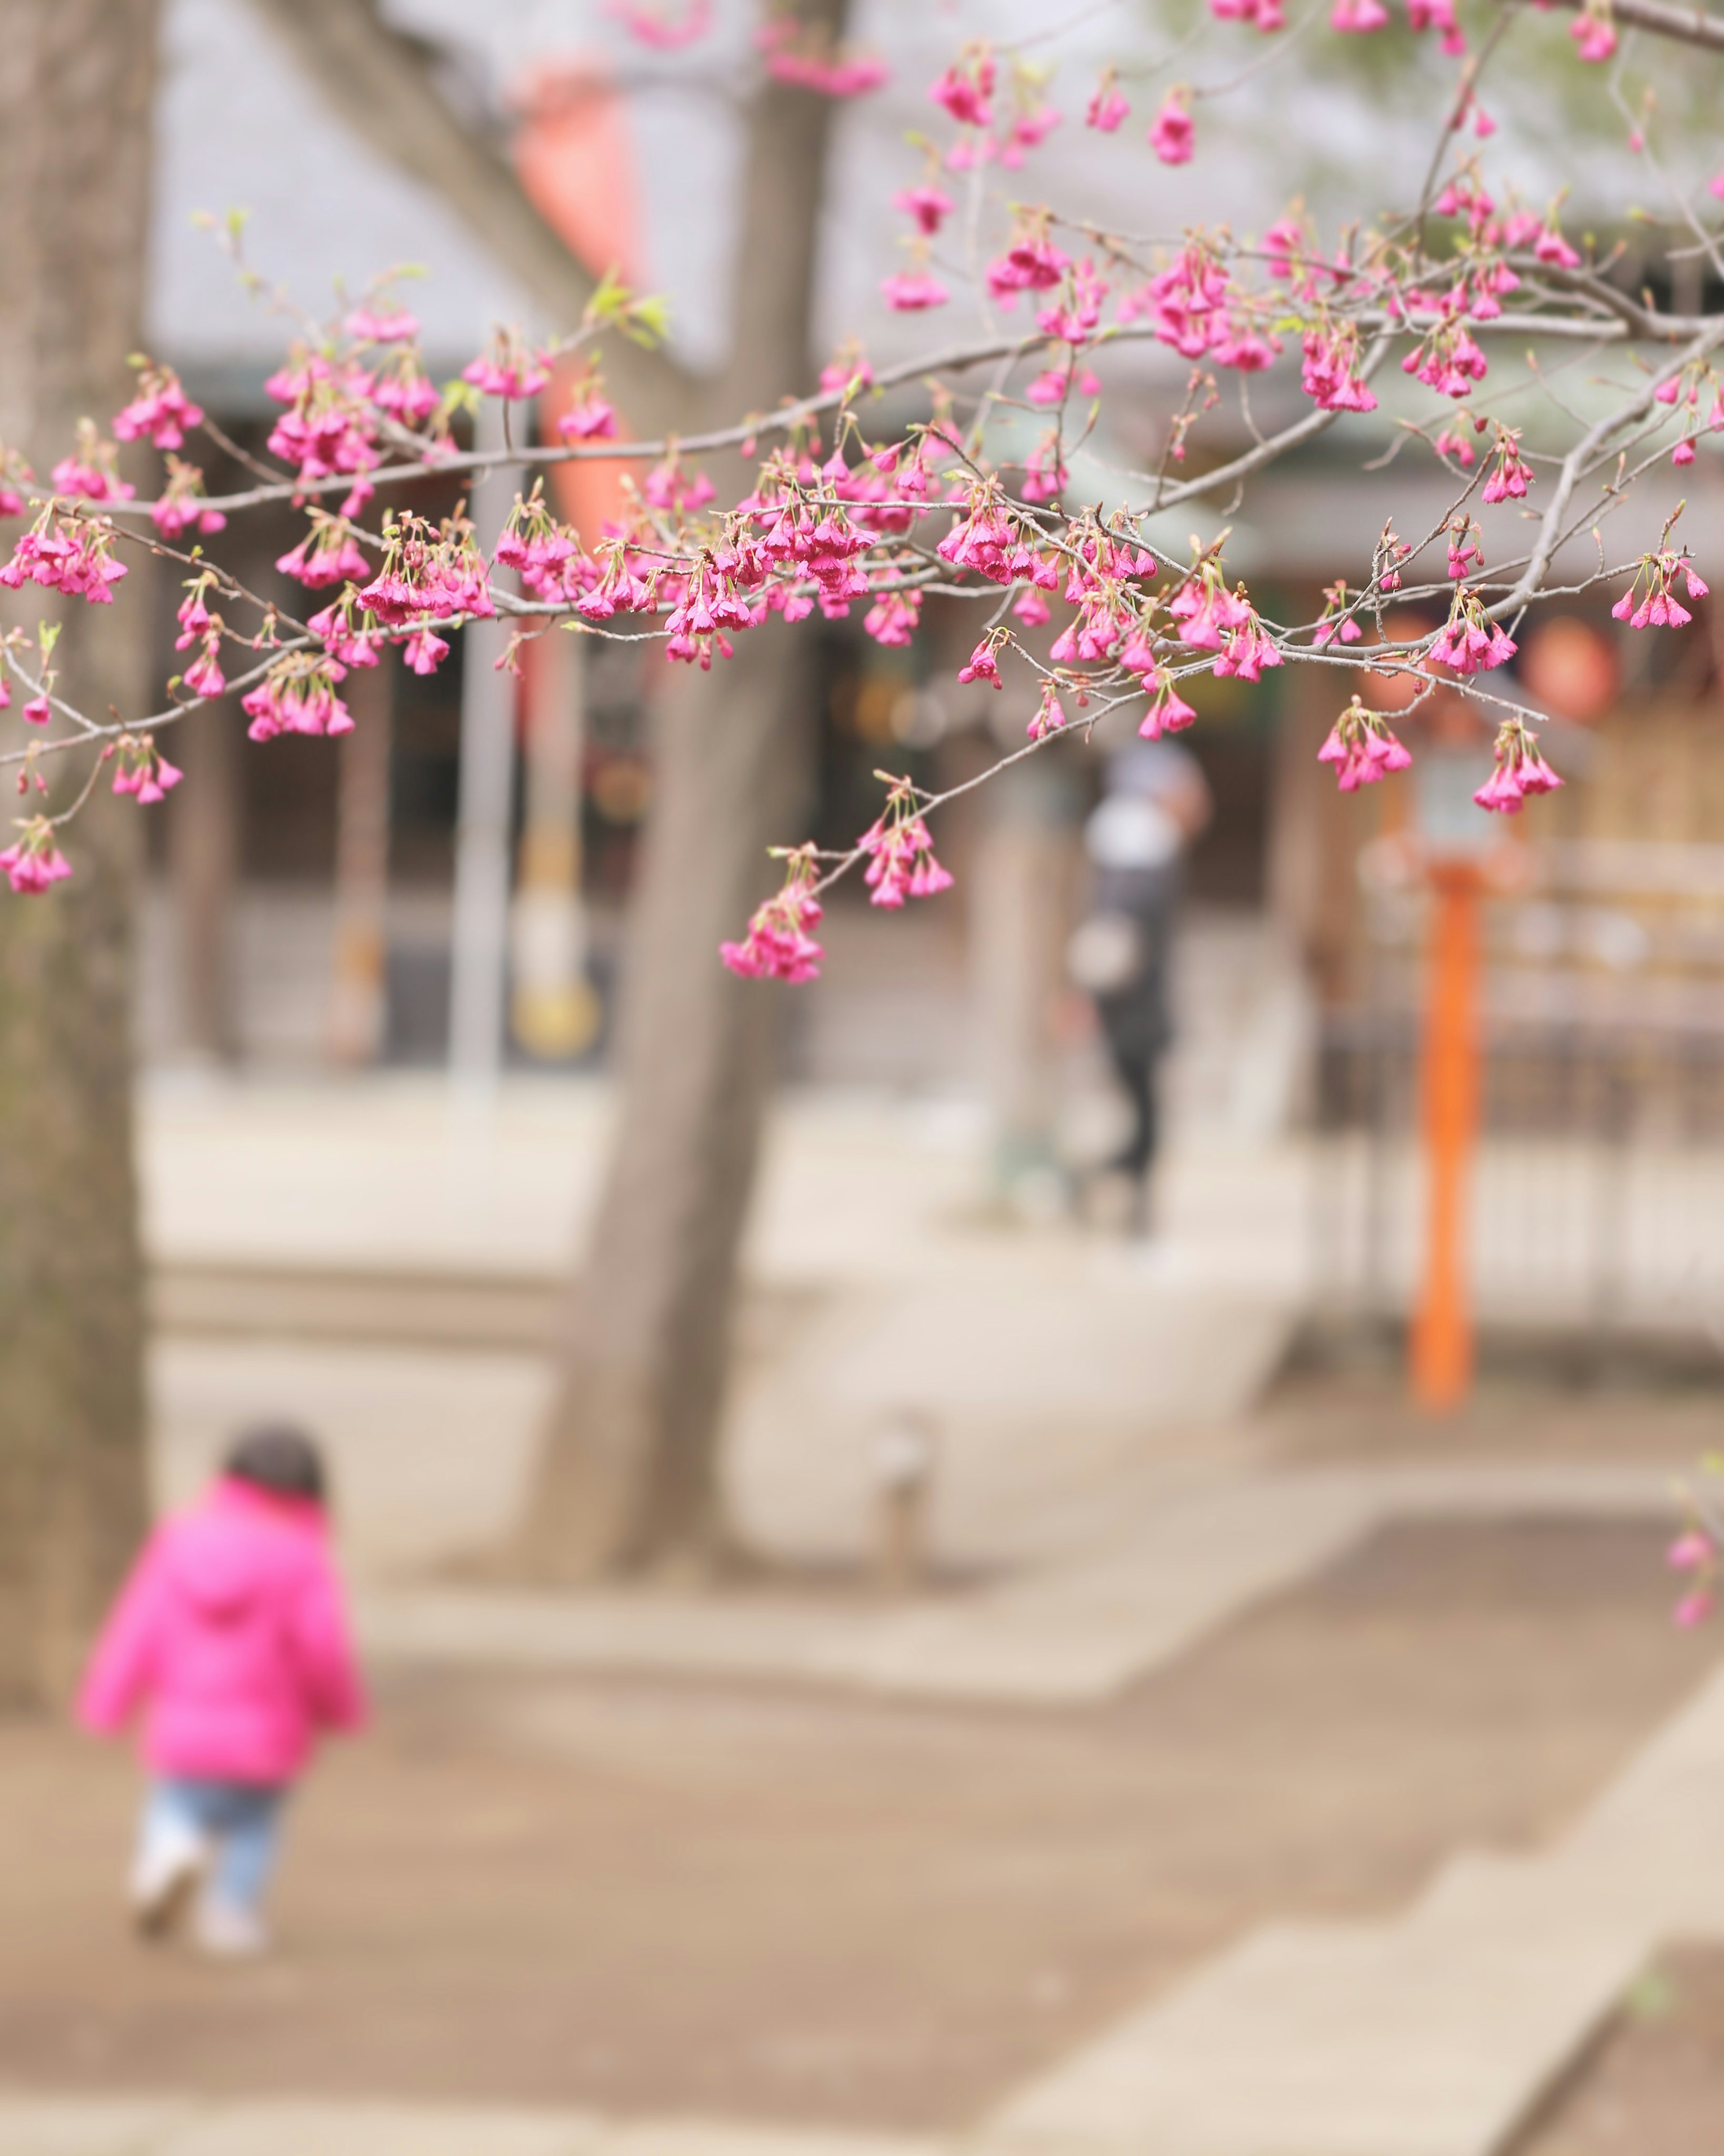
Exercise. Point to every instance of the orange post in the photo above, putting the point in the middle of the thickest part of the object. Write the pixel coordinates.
(1442, 1345)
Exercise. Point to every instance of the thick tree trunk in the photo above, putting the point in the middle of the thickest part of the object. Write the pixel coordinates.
(630, 1473)
(76, 83)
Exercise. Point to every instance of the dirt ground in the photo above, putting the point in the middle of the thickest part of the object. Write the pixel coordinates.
(1654, 2087)
(759, 1903)
(1361, 1412)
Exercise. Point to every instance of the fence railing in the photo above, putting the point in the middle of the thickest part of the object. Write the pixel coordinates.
(1597, 1189)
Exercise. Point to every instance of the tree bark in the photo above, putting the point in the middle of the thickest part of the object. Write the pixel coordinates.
(76, 84)
(630, 1462)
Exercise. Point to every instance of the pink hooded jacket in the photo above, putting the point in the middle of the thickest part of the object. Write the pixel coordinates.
(231, 1633)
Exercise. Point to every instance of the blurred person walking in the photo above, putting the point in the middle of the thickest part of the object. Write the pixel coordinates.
(1155, 802)
(232, 1636)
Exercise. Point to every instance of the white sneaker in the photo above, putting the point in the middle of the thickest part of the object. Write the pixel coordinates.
(230, 1932)
(169, 1865)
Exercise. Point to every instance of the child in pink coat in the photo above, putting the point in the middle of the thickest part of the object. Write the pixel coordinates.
(232, 1638)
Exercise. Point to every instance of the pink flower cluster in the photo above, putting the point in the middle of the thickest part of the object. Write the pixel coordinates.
(1520, 770)
(375, 322)
(620, 589)
(806, 534)
(914, 290)
(1594, 33)
(1049, 717)
(1447, 360)
(1470, 643)
(1196, 309)
(74, 556)
(1212, 619)
(90, 475)
(1267, 14)
(297, 696)
(34, 861)
(1168, 712)
(328, 554)
(1362, 749)
(988, 540)
(142, 771)
(966, 86)
(160, 410)
(983, 662)
(1031, 263)
(1331, 372)
(429, 576)
(328, 428)
(1438, 15)
(545, 554)
(779, 945)
(668, 487)
(204, 677)
(901, 863)
(181, 507)
(589, 417)
(1336, 620)
(710, 605)
(1107, 109)
(1513, 475)
(894, 616)
(1660, 608)
(508, 367)
(1173, 136)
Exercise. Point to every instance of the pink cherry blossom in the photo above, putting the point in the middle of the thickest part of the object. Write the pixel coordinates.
(1173, 136)
(507, 368)
(34, 861)
(928, 204)
(912, 291)
(779, 945)
(1594, 35)
(1107, 108)
(965, 87)
(160, 410)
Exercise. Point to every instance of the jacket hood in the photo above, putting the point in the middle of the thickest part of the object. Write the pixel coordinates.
(233, 1550)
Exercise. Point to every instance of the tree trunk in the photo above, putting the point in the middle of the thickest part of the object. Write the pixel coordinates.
(76, 84)
(630, 1464)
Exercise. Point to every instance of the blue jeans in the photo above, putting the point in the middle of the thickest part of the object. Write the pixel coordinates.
(240, 1820)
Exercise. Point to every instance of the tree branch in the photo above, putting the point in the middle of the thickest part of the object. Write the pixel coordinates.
(1693, 26)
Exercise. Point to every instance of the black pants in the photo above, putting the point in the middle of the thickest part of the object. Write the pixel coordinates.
(1138, 1069)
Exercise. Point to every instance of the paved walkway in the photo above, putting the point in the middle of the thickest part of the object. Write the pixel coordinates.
(1204, 1547)
(147, 2126)
(1432, 2036)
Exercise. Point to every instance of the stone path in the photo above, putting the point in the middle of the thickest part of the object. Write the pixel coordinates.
(1204, 1548)
(1435, 2035)
(48, 2127)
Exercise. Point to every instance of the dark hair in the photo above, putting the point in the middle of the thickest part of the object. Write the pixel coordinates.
(274, 1456)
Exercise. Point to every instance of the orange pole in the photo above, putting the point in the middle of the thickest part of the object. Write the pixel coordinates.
(1442, 1344)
